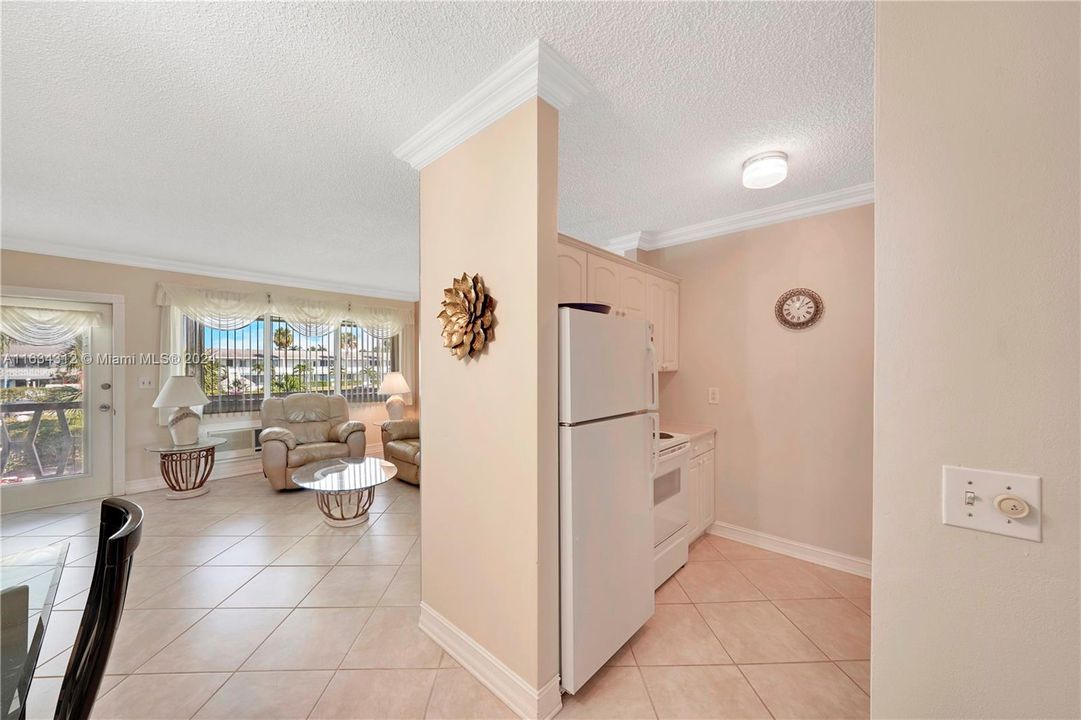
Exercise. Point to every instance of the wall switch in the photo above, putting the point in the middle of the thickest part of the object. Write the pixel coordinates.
(992, 501)
(714, 396)
(145, 383)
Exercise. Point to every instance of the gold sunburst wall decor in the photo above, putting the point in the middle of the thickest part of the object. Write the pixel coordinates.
(468, 317)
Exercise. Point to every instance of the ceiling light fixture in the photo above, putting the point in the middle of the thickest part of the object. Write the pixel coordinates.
(765, 170)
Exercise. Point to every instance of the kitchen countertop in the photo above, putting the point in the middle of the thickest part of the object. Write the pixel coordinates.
(695, 431)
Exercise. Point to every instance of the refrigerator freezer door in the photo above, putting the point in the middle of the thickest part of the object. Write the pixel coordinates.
(606, 541)
(605, 366)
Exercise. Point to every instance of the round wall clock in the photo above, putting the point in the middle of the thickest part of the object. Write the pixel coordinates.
(799, 308)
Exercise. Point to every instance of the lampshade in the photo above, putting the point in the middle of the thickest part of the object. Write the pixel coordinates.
(181, 391)
(393, 384)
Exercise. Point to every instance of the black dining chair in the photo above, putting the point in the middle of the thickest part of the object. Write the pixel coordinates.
(120, 530)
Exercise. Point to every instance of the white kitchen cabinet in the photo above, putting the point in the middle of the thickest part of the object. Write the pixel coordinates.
(655, 287)
(694, 499)
(707, 480)
(632, 292)
(670, 353)
(662, 310)
(701, 486)
(588, 274)
(572, 271)
(603, 280)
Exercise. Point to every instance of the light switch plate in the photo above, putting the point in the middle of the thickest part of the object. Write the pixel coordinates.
(979, 511)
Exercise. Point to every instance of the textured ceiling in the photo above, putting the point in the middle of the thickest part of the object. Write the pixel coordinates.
(258, 137)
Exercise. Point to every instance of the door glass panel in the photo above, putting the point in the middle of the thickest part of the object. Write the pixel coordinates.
(43, 428)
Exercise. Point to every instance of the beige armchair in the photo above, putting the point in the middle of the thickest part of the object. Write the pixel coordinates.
(302, 428)
(401, 446)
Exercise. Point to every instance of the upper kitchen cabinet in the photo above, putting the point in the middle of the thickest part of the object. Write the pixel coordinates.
(670, 323)
(572, 274)
(632, 292)
(603, 281)
(588, 274)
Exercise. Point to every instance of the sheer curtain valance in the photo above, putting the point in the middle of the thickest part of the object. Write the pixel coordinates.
(43, 326)
(218, 309)
(381, 321)
(308, 316)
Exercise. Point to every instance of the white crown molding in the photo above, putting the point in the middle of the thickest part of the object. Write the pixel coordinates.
(630, 241)
(526, 701)
(152, 263)
(793, 210)
(537, 71)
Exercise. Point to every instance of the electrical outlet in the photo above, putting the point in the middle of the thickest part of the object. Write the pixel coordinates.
(714, 396)
(146, 383)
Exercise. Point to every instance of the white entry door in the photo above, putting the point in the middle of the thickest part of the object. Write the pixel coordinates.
(56, 402)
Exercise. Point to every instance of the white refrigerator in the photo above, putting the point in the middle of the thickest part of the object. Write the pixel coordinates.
(607, 456)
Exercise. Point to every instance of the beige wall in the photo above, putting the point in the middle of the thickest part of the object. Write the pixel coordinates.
(490, 509)
(794, 421)
(142, 331)
(977, 351)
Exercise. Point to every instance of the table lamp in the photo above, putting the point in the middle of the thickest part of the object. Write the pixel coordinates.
(394, 384)
(181, 392)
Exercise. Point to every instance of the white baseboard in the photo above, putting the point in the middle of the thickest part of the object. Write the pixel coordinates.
(507, 685)
(793, 548)
(222, 469)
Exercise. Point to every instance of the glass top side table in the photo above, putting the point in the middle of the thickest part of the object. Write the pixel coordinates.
(186, 468)
(344, 487)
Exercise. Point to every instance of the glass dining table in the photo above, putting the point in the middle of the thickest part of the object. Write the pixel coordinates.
(28, 583)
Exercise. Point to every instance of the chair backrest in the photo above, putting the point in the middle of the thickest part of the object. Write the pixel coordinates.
(309, 416)
(118, 537)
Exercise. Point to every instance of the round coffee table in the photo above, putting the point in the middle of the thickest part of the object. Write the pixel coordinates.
(186, 468)
(344, 487)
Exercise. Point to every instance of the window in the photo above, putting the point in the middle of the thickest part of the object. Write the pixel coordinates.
(270, 358)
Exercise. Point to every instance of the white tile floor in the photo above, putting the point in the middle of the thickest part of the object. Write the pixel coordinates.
(244, 604)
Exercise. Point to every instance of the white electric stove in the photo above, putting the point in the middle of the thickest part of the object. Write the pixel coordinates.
(670, 505)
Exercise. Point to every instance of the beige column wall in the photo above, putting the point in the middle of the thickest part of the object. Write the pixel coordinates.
(794, 419)
(977, 354)
(490, 511)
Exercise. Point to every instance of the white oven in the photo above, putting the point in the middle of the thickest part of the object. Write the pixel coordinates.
(670, 505)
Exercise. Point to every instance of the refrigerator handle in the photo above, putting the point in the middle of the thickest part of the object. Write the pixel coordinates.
(654, 453)
(654, 380)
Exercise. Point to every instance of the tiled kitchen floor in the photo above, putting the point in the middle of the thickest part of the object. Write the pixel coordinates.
(244, 604)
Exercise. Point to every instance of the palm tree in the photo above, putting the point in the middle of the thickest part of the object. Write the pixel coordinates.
(283, 338)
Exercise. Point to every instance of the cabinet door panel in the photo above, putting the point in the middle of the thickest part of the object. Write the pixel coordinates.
(655, 315)
(632, 292)
(572, 274)
(603, 280)
(694, 500)
(707, 481)
(671, 325)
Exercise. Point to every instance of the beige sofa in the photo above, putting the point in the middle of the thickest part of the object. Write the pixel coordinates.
(302, 428)
(401, 446)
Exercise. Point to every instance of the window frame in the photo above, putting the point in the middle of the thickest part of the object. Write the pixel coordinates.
(268, 319)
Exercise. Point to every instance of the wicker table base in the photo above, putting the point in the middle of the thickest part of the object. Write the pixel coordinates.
(344, 487)
(186, 469)
(345, 509)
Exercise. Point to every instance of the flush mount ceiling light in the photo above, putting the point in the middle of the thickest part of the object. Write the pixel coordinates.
(765, 170)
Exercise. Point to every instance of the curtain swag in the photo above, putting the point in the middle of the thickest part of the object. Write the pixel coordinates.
(219, 309)
(41, 326)
(308, 316)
